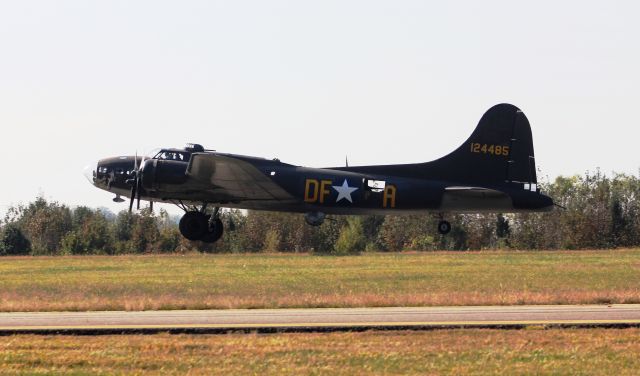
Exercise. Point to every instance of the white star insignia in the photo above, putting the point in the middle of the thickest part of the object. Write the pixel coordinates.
(344, 191)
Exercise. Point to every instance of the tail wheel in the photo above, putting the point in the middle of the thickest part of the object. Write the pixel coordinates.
(444, 227)
(193, 225)
(214, 232)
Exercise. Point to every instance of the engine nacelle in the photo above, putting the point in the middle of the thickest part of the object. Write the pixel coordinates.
(157, 172)
(315, 218)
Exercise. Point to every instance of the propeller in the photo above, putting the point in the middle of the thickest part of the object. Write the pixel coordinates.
(136, 183)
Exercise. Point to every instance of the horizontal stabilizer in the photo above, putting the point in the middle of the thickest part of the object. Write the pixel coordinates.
(473, 192)
(474, 199)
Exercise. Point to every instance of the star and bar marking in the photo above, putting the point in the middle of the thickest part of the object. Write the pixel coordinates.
(344, 191)
(316, 191)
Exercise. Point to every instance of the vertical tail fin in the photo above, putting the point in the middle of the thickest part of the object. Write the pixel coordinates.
(499, 150)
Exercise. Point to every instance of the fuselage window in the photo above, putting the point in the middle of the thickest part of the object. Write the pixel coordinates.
(376, 185)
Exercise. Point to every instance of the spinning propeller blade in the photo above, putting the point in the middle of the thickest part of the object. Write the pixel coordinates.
(138, 181)
(135, 185)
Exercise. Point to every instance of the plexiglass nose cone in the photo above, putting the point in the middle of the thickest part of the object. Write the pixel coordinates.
(90, 171)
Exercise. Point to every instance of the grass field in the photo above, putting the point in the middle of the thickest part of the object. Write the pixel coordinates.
(273, 281)
(471, 351)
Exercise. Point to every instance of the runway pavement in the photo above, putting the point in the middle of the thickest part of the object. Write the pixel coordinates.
(270, 320)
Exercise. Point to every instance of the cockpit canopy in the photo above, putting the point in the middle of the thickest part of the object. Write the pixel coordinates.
(173, 155)
(178, 155)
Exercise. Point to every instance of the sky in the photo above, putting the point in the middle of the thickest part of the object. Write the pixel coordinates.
(309, 82)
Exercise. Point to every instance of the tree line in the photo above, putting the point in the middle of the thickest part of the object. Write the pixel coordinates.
(599, 212)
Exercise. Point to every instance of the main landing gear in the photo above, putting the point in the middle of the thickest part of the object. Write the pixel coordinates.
(197, 225)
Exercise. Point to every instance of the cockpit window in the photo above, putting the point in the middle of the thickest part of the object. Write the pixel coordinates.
(169, 155)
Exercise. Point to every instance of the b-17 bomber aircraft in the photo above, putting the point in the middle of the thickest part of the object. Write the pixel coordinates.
(493, 171)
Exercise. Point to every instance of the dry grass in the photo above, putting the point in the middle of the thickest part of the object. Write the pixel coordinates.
(473, 351)
(276, 281)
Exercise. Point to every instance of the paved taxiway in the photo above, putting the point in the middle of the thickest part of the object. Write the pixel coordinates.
(322, 319)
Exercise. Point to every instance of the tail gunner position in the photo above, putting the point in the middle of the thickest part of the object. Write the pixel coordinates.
(493, 171)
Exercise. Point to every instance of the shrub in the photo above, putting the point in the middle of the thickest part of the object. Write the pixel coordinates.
(272, 240)
(423, 243)
(351, 239)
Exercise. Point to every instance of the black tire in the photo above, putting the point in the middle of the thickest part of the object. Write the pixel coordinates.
(214, 234)
(444, 227)
(193, 225)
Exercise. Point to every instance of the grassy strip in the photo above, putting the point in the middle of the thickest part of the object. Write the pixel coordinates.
(571, 351)
(276, 281)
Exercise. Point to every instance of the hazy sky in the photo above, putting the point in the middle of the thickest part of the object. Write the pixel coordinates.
(308, 82)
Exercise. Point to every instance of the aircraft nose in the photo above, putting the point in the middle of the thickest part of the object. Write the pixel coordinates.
(90, 172)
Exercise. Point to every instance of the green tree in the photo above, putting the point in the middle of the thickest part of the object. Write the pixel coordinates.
(123, 226)
(91, 233)
(168, 233)
(44, 223)
(144, 233)
(234, 239)
(13, 242)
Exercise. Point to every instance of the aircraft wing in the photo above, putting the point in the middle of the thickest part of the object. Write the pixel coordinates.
(233, 178)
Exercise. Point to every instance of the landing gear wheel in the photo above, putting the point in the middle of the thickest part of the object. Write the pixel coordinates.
(214, 232)
(193, 225)
(444, 227)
